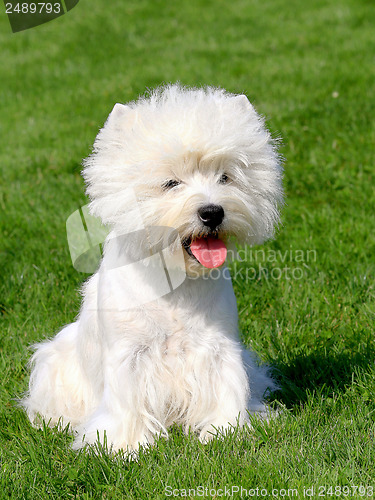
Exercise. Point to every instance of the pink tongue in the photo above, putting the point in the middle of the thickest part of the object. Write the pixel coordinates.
(210, 252)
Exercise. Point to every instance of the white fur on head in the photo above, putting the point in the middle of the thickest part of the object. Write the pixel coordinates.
(193, 135)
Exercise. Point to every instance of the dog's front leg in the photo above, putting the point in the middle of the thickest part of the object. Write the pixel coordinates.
(129, 414)
(219, 388)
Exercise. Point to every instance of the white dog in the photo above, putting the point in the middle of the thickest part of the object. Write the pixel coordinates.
(150, 348)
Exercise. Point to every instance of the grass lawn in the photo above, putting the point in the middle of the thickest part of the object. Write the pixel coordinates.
(306, 300)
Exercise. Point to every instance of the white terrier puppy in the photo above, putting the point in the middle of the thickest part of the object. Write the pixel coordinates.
(175, 176)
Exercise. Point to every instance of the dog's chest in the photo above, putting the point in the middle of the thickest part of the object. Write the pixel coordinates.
(177, 337)
(186, 340)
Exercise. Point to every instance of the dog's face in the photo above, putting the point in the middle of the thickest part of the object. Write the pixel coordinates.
(207, 201)
(199, 161)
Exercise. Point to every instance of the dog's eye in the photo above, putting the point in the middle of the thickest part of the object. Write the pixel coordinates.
(171, 184)
(223, 179)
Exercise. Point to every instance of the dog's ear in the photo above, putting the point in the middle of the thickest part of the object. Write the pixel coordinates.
(244, 103)
(117, 114)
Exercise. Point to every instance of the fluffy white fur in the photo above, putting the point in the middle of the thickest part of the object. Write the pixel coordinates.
(131, 372)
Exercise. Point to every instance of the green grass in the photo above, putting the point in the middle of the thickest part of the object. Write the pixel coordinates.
(309, 69)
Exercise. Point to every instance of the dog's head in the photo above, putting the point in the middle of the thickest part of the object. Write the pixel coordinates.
(198, 160)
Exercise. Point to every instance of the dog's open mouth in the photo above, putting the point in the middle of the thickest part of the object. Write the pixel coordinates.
(209, 251)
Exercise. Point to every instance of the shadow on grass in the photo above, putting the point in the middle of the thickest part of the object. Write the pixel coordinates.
(327, 372)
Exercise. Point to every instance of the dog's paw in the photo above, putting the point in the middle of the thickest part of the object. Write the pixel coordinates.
(218, 429)
(113, 434)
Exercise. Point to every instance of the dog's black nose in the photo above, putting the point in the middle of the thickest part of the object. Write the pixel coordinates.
(211, 215)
